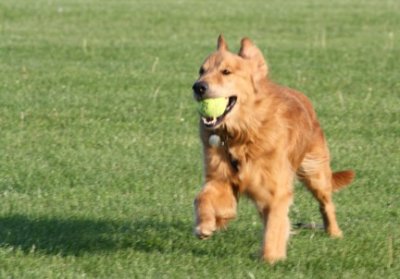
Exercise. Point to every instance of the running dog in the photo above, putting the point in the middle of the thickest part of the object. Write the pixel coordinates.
(267, 136)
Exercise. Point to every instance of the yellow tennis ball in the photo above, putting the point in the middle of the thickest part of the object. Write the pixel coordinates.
(213, 107)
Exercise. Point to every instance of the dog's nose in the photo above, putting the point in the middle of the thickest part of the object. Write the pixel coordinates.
(200, 88)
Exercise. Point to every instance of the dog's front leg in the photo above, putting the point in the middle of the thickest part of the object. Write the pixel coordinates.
(215, 205)
(277, 228)
(273, 203)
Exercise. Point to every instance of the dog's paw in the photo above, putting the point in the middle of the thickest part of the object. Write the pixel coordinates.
(273, 258)
(337, 233)
(203, 232)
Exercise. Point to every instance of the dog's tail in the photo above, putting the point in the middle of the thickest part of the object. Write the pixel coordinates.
(341, 179)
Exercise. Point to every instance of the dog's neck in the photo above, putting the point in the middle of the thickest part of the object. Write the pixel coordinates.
(231, 135)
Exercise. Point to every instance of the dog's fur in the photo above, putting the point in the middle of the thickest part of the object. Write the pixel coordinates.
(270, 135)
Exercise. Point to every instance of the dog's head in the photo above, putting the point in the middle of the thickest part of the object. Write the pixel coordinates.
(232, 76)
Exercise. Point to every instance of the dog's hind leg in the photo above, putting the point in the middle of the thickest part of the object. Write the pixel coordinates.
(215, 205)
(316, 174)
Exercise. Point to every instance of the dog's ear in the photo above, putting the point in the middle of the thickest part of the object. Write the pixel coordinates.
(221, 45)
(250, 52)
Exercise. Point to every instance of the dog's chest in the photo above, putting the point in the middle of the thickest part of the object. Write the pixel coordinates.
(237, 155)
(236, 159)
(242, 164)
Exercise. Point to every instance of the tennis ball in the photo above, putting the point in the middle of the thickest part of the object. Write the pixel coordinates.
(213, 107)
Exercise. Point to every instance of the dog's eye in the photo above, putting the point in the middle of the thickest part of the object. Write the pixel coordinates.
(201, 71)
(226, 72)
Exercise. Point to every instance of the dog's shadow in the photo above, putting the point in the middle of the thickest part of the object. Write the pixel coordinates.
(76, 236)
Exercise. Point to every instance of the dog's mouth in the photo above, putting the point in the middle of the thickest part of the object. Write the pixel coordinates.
(212, 122)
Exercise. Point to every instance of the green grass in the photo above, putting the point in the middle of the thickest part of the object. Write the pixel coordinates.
(99, 152)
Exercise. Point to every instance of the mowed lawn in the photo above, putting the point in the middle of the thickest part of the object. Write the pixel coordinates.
(99, 152)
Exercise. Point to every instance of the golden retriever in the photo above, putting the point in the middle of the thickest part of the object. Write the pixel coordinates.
(268, 135)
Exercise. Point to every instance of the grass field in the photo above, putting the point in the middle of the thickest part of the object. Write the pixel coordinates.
(99, 152)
